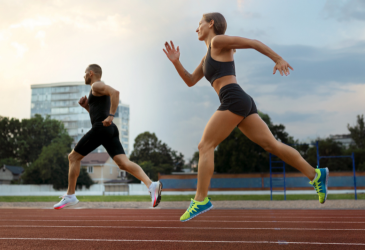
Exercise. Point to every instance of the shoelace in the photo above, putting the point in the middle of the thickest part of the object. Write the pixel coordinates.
(192, 208)
(317, 186)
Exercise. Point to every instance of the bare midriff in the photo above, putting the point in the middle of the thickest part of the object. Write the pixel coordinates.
(223, 81)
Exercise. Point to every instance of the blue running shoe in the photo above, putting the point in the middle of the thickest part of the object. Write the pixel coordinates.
(196, 208)
(320, 183)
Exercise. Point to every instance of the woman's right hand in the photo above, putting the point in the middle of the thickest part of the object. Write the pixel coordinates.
(172, 53)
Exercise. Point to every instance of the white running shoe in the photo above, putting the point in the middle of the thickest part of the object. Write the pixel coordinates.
(155, 193)
(66, 201)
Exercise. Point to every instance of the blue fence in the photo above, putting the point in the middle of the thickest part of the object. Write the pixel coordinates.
(260, 182)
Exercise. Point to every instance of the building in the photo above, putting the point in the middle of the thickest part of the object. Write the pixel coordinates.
(345, 139)
(60, 101)
(10, 173)
(102, 168)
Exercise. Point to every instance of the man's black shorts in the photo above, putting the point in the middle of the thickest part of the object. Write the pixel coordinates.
(100, 135)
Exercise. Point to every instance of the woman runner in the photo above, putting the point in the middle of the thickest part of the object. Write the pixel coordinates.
(237, 107)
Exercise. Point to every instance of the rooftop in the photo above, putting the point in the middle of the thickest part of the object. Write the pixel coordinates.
(15, 169)
(56, 84)
(95, 159)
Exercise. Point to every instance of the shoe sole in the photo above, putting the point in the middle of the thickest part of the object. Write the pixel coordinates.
(158, 200)
(327, 175)
(202, 212)
(67, 205)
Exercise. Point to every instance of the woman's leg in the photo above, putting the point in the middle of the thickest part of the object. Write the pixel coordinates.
(218, 128)
(257, 131)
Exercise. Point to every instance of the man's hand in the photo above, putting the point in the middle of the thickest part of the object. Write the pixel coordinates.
(84, 103)
(108, 121)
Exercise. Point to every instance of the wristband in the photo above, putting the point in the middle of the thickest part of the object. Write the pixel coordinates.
(111, 115)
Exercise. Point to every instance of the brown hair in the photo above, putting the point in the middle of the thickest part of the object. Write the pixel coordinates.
(220, 24)
(96, 69)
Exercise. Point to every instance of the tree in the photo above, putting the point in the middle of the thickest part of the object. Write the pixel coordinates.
(51, 167)
(155, 156)
(328, 147)
(358, 132)
(238, 154)
(24, 140)
(9, 162)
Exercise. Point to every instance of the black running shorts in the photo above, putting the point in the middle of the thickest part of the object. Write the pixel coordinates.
(234, 99)
(100, 135)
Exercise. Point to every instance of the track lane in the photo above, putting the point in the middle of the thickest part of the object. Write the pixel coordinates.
(255, 229)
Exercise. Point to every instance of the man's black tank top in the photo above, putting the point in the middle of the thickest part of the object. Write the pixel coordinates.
(99, 107)
(213, 69)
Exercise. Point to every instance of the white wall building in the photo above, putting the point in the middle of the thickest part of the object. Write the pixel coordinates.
(60, 101)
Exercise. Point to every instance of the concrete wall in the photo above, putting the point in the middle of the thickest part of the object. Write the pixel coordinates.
(134, 189)
(47, 190)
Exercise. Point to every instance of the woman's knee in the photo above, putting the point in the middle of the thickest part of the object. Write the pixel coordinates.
(204, 146)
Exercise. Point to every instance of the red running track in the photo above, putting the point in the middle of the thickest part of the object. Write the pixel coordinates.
(161, 229)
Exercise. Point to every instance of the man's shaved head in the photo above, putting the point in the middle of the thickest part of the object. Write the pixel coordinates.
(92, 73)
(96, 69)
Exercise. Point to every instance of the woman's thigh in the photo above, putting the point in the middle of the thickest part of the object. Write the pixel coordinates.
(257, 131)
(218, 128)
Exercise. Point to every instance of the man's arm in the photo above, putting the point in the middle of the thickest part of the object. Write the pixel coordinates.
(100, 89)
(84, 103)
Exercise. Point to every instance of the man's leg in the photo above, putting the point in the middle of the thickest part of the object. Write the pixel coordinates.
(154, 188)
(74, 159)
(125, 164)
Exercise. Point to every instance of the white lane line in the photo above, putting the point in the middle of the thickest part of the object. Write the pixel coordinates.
(191, 241)
(203, 228)
(209, 221)
(205, 216)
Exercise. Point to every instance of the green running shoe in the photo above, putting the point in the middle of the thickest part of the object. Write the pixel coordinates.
(320, 184)
(196, 208)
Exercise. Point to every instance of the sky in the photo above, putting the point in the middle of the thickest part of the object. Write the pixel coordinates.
(53, 41)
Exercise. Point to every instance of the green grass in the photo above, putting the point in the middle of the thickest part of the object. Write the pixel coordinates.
(176, 198)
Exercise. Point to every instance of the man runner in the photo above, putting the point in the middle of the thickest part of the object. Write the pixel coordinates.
(102, 104)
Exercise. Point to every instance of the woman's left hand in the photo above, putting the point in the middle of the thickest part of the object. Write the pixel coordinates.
(283, 67)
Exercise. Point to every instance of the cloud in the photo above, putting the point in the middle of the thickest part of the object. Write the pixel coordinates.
(32, 23)
(317, 71)
(345, 10)
(41, 36)
(20, 49)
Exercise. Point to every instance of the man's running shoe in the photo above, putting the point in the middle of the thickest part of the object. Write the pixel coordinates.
(320, 183)
(196, 208)
(67, 200)
(155, 193)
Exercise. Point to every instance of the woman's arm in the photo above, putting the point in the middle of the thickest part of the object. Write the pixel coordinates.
(236, 42)
(174, 55)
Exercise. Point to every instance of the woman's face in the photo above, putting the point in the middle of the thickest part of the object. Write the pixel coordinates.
(203, 29)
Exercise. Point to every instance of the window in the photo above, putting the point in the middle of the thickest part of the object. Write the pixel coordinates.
(90, 169)
(122, 174)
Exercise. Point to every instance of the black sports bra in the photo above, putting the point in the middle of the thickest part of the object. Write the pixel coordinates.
(213, 69)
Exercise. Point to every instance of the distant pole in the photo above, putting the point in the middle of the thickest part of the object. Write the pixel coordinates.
(270, 178)
(102, 179)
(317, 146)
(354, 170)
(284, 182)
